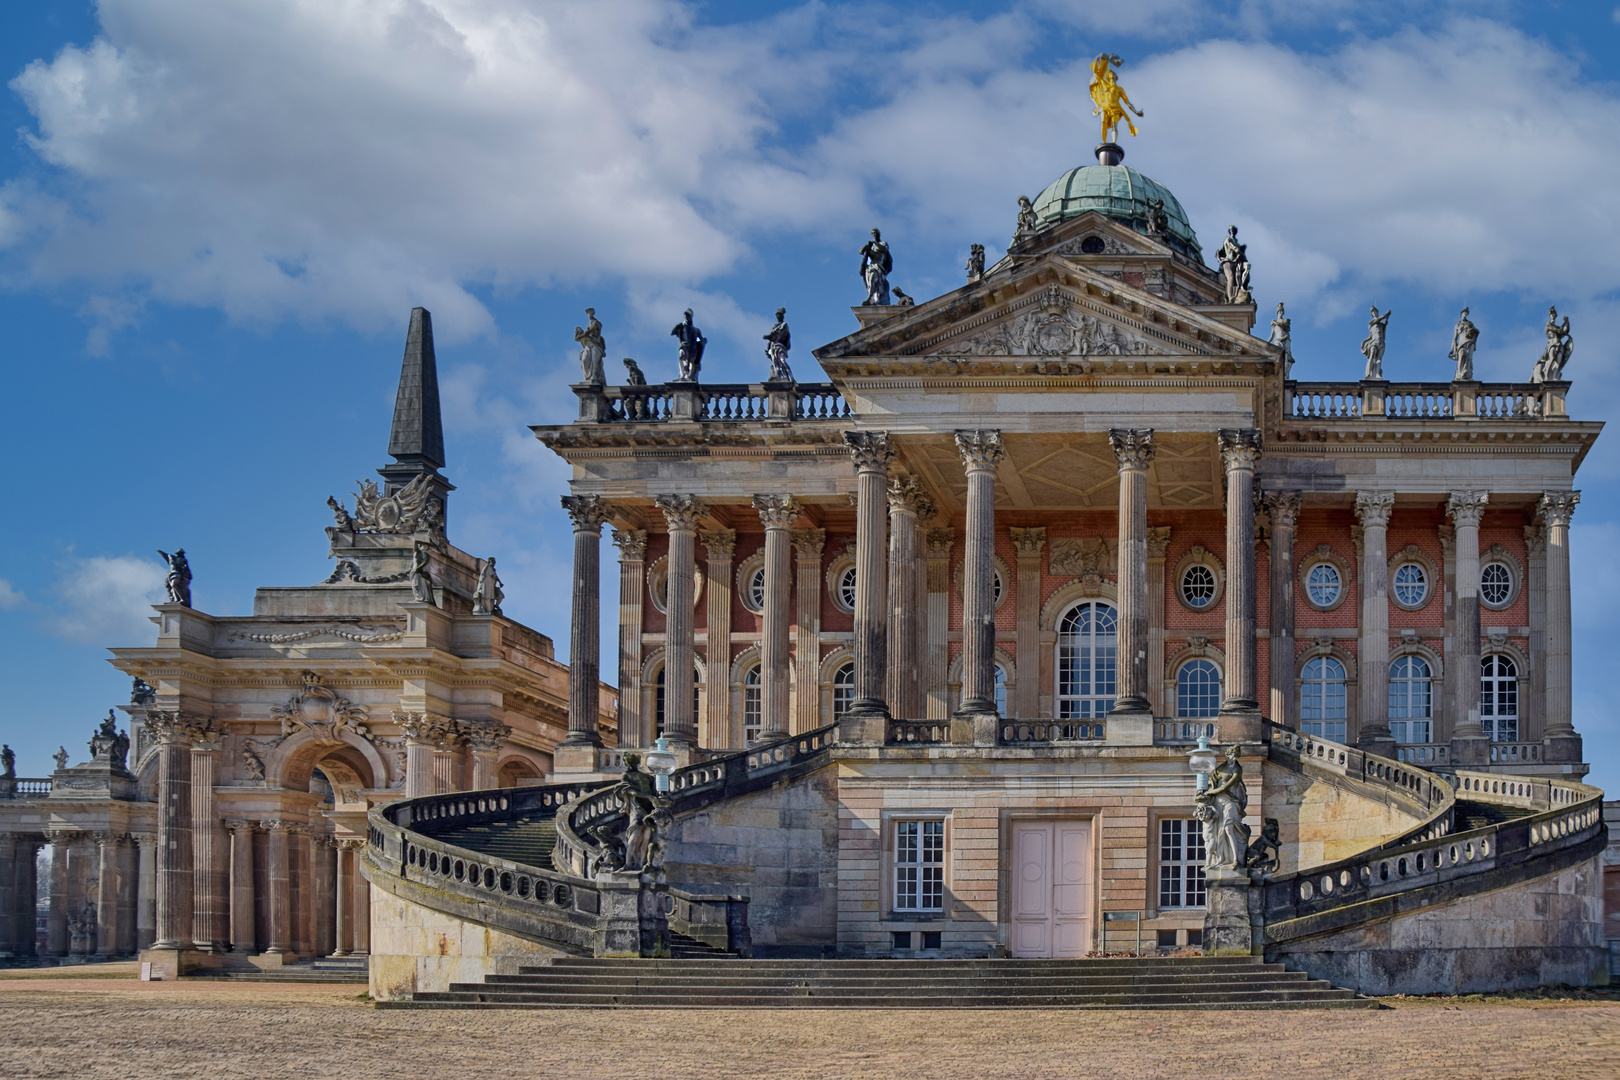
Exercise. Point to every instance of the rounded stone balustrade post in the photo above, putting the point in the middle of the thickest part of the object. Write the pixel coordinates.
(1563, 745)
(1283, 509)
(867, 719)
(1240, 711)
(778, 512)
(1469, 744)
(1373, 509)
(584, 639)
(981, 452)
(1131, 718)
(681, 514)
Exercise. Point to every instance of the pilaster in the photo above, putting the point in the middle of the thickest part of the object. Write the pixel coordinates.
(939, 543)
(1158, 546)
(681, 514)
(1562, 744)
(1373, 510)
(778, 513)
(632, 545)
(720, 547)
(1028, 545)
(904, 492)
(807, 547)
(1470, 746)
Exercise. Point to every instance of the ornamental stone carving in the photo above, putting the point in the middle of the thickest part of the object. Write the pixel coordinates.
(777, 511)
(169, 728)
(1557, 507)
(939, 542)
(1240, 447)
(719, 544)
(587, 512)
(1090, 559)
(981, 449)
(1282, 507)
(1466, 507)
(681, 512)
(1054, 329)
(1028, 543)
(632, 544)
(413, 508)
(319, 711)
(1133, 447)
(426, 729)
(869, 449)
(1374, 507)
(904, 493)
(486, 737)
(809, 542)
(1158, 541)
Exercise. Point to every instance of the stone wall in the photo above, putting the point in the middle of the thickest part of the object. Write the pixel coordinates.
(780, 848)
(415, 950)
(1543, 932)
(1320, 822)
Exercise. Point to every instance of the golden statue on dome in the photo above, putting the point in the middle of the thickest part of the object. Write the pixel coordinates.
(1110, 97)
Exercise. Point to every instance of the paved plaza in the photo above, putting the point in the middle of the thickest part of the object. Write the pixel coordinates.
(63, 1024)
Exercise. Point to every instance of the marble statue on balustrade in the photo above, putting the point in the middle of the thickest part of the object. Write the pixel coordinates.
(975, 264)
(1282, 336)
(142, 693)
(778, 341)
(1464, 337)
(1220, 808)
(632, 373)
(690, 357)
(591, 350)
(1235, 268)
(8, 762)
(876, 266)
(1372, 346)
(1026, 217)
(1550, 367)
(487, 594)
(108, 743)
(177, 583)
(421, 576)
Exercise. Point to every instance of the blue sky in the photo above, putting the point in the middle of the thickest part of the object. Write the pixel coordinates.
(215, 216)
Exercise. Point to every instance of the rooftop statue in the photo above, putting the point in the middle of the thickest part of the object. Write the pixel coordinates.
(60, 757)
(632, 373)
(777, 343)
(902, 300)
(1550, 368)
(876, 265)
(1109, 97)
(340, 514)
(142, 692)
(1235, 268)
(591, 350)
(1026, 216)
(1463, 339)
(975, 264)
(1158, 219)
(487, 594)
(1282, 337)
(1372, 346)
(178, 581)
(690, 357)
(8, 762)
(421, 576)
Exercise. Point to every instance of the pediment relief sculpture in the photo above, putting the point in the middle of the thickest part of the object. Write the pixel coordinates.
(318, 710)
(1090, 559)
(1053, 330)
(413, 508)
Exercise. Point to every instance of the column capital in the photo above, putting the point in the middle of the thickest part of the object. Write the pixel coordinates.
(809, 542)
(632, 544)
(1557, 507)
(719, 544)
(276, 825)
(1374, 507)
(1133, 447)
(904, 493)
(1282, 507)
(1158, 541)
(1240, 447)
(777, 511)
(681, 512)
(870, 449)
(939, 542)
(980, 448)
(486, 737)
(235, 824)
(1466, 507)
(587, 511)
(926, 508)
(426, 729)
(1535, 541)
(1028, 542)
(179, 728)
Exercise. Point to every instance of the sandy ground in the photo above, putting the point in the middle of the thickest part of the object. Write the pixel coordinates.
(93, 1022)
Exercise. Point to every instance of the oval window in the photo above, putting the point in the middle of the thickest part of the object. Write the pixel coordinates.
(1322, 584)
(1198, 586)
(1411, 584)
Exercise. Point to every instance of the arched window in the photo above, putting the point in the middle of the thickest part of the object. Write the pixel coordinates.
(755, 600)
(1198, 689)
(1410, 699)
(1001, 690)
(846, 588)
(1499, 698)
(1321, 699)
(658, 700)
(1087, 640)
(843, 687)
(752, 705)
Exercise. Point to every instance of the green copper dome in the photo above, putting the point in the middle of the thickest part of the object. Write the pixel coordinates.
(1120, 192)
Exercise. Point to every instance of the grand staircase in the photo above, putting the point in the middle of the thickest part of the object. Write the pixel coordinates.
(1122, 983)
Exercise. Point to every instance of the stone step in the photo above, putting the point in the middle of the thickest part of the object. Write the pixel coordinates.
(584, 964)
(768, 985)
(287, 974)
(1172, 1000)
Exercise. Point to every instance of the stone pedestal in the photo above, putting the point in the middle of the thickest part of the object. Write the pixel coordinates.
(593, 403)
(173, 963)
(686, 401)
(1229, 924)
(631, 921)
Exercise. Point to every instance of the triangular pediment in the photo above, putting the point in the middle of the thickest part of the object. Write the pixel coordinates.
(1089, 234)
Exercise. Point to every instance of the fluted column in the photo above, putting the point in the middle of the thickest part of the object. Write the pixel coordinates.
(298, 887)
(8, 894)
(807, 545)
(57, 938)
(981, 452)
(362, 913)
(1240, 711)
(917, 685)
(720, 547)
(1373, 509)
(447, 758)
(484, 745)
(1563, 745)
(940, 543)
(109, 893)
(81, 907)
(1283, 509)
(1028, 544)
(421, 739)
(279, 884)
(1158, 547)
(778, 512)
(681, 514)
(145, 890)
(903, 614)
(1469, 743)
(343, 915)
(869, 715)
(1533, 712)
(210, 905)
(584, 637)
(632, 545)
(242, 897)
(323, 859)
(174, 733)
(1133, 449)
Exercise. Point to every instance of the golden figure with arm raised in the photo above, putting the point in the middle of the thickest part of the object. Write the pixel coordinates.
(1109, 97)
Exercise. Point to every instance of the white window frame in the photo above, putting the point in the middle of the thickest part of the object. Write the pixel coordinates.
(1411, 699)
(1219, 688)
(1099, 651)
(1333, 723)
(753, 704)
(918, 876)
(1410, 603)
(1491, 717)
(1181, 864)
(1512, 585)
(843, 687)
(1311, 586)
(1210, 582)
(844, 595)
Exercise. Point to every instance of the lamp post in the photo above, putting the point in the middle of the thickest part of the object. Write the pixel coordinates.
(1202, 761)
(660, 761)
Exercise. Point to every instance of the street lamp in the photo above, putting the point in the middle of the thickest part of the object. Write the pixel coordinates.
(1202, 761)
(660, 761)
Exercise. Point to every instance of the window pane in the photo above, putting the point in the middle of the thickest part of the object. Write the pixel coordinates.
(1495, 583)
(1085, 661)
(1181, 859)
(1411, 584)
(1198, 689)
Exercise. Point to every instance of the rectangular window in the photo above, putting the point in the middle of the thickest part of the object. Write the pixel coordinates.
(1409, 731)
(1181, 863)
(919, 866)
(1333, 732)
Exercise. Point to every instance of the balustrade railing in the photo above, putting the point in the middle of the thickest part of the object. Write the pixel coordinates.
(1418, 402)
(720, 403)
(646, 404)
(1423, 401)
(1325, 401)
(1182, 732)
(1422, 753)
(717, 919)
(1050, 732)
(24, 787)
(1515, 753)
(735, 403)
(906, 732)
(819, 401)
(1417, 792)
(1508, 402)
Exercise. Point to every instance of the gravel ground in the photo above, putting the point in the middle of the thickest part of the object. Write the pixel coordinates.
(63, 1024)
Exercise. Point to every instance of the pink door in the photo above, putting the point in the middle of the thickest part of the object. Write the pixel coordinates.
(1051, 888)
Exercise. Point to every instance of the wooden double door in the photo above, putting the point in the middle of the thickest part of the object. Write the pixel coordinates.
(1051, 888)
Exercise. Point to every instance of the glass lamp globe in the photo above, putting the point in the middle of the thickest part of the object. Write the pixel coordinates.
(660, 761)
(1202, 761)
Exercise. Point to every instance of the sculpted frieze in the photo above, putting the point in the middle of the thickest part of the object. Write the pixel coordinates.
(1055, 329)
(1091, 559)
(321, 712)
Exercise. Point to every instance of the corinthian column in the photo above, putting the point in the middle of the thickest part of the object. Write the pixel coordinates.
(109, 889)
(867, 718)
(278, 878)
(210, 906)
(1131, 718)
(720, 545)
(1563, 745)
(1372, 711)
(807, 545)
(243, 938)
(174, 733)
(778, 512)
(632, 545)
(681, 513)
(902, 630)
(1283, 509)
(1469, 743)
(484, 744)
(1240, 711)
(981, 452)
(584, 638)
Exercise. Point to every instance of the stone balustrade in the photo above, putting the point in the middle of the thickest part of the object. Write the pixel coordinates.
(24, 787)
(717, 919)
(1182, 732)
(1423, 753)
(1051, 732)
(1515, 753)
(1424, 401)
(712, 403)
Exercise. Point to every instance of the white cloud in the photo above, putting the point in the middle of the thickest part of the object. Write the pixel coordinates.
(10, 597)
(107, 599)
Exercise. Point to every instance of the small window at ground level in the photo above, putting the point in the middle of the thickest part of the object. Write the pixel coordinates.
(919, 865)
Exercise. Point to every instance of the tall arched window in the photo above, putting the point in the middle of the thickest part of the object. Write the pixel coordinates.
(843, 687)
(1499, 698)
(658, 700)
(1198, 689)
(1410, 699)
(1087, 640)
(1001, 690)
(752, 705)
(1322, 700)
